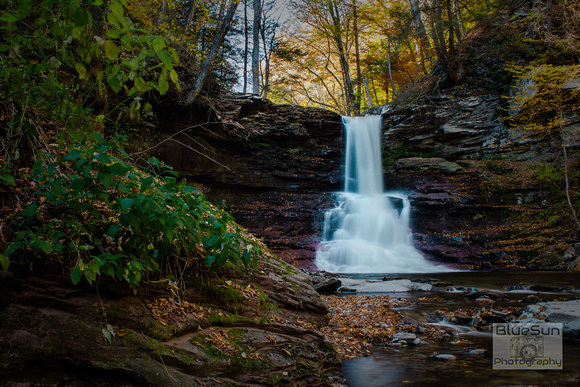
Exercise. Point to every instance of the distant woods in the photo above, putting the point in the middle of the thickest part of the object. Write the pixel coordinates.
(348, 55)
(351, 55)
(343, 55)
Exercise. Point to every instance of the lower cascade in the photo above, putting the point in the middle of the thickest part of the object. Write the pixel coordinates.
(368, 231)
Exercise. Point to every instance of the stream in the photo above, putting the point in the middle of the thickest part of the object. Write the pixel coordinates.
(415, 365)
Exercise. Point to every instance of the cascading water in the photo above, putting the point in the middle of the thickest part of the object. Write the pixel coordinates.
(365, 232)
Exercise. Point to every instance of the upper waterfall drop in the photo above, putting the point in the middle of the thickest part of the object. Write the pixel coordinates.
(365, 232)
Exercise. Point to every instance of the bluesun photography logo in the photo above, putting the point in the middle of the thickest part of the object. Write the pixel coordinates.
(531, 346)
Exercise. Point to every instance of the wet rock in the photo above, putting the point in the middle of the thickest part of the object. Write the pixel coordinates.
(327, 285)
(490, 318)
(484, 302)
(531, 298)
(399, 285)
(444, 357)
(565, 312)
(575, 265)
(461, 316)
(345, 289)
(475, 321)
(489, 294)
(476, 351)
(404, 336)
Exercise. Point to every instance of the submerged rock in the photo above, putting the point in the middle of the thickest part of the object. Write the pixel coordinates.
(444, 357)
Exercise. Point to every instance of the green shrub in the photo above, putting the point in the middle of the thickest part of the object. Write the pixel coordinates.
(110, 218)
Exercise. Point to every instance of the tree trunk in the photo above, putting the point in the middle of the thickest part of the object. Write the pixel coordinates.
(256, 47)
(460, 31)
(389, 65)
(213, 52)
(570, 205)
(368, 93)
(337, 36)
(451, 51)
(549, 16)
(422, 38)
(160, 13)
(246, 44)
(358, 82)
(438, 31)
(191, 15)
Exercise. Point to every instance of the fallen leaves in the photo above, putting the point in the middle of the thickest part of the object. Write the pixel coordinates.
(222, 340)
(169, 311)
(248, 292)
(356, 323)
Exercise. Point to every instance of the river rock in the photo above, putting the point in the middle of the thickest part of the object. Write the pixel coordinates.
(487, 293)
(400, 285)
(565, 312)
(404, 336)
(444, 357)
(327, 285)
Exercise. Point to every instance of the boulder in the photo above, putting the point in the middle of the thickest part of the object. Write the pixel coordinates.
(564, 312)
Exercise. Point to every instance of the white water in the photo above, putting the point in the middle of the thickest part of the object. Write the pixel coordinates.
(365, 233)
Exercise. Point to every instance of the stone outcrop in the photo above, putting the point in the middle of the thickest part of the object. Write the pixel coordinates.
(451, 127)
(249, 143)
(275, 168)
(428, 164)
(271, 165)
(250, 328)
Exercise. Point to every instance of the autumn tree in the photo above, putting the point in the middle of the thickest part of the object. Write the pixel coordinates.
(545, 104)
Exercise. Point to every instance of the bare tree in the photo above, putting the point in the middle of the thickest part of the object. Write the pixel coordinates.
(269, 33)
(218, 39)
(246, 44)
(256, 47)
(342, 55)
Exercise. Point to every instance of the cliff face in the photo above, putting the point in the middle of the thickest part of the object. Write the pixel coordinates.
(275, 168)
(271, 165)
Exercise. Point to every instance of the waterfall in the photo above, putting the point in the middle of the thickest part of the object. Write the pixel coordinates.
(368, 231)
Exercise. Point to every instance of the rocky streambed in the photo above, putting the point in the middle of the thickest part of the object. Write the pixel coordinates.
(437, 329)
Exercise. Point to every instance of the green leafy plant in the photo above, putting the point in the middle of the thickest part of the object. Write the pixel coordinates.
(108, 217)
(66, 56)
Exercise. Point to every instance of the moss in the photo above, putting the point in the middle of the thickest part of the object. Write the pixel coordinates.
(187, 360)
(266, 304)
(289, 268)
(226, 319)
(161, 332)
(207, 347)
(274, 379)
(239, 356)
(228, 294)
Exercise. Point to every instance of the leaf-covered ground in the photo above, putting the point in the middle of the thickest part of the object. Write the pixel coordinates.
(358, 323)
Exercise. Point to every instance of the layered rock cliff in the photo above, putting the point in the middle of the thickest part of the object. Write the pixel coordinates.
(479, 203)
